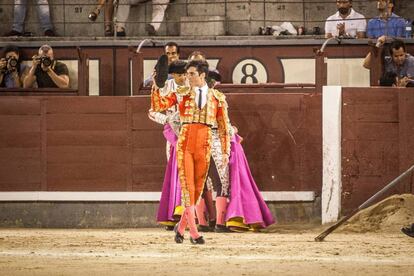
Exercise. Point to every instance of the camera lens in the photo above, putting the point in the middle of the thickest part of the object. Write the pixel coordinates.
(46, 61)
(13, 62)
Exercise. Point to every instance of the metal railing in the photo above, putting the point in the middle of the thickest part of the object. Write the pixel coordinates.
(70, 18)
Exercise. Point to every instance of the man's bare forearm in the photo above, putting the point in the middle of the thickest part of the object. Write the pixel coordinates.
(61, 81)
(367, 61)
(30, 78)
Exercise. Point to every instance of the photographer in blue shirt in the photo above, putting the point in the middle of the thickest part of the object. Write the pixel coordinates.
(12, 71)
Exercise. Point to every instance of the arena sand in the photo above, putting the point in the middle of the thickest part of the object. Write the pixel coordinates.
(370, 244)
(389, 215)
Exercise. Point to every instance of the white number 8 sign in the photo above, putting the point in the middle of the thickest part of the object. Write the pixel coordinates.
(249, 71)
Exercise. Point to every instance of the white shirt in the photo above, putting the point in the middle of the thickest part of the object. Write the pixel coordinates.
(352, 24)
(170, 86)
(204, 90)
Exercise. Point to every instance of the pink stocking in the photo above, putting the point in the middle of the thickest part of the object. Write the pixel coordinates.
(221, 207)
(200, 209)
(191, 222)
(183, 223)
(210, 205)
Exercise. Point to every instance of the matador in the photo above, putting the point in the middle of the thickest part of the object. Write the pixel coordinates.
(200, 108)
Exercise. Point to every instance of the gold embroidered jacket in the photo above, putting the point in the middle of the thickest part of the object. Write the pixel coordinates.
(215, 110)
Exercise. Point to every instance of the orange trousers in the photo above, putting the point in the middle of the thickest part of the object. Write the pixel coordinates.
(193, 157)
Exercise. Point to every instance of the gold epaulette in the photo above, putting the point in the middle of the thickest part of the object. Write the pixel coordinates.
(183, 90)
(219, 95)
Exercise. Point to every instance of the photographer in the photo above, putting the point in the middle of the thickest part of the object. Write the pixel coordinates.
(47, 71)
(12, 71)
(398, 64)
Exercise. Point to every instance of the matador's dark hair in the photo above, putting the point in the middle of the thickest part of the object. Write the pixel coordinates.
(200, 65)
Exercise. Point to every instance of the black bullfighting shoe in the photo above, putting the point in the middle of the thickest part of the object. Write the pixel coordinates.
(221, 229)
(205, 228)
(409, 231)
(178, 237)
(169, 228)
(161, 69)
(199, 240)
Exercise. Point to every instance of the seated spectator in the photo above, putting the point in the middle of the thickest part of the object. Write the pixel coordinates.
(346, 23)
(399, 64)
(43, 12)
(108, 8)
(158, 12)
(12, 71)
(46, 71)
(386, 23)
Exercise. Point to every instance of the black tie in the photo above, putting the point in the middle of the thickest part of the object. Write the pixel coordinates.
(199, 98)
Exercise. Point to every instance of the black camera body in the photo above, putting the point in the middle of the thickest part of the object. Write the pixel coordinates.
(46, 61)
(12, 64)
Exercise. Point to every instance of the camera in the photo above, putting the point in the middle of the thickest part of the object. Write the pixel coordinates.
(46, 61)
(11, 64)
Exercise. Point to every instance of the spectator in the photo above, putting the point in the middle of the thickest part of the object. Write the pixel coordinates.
(47, 71)
(158, 12)
(346, 22)
(386, 23)
(197, 55)
(12, 71)
(43, 12)
(172, 50)
(108, 15)
(399, 64)
(213, 77)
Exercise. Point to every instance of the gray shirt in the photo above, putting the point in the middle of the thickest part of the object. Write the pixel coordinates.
(406, 70)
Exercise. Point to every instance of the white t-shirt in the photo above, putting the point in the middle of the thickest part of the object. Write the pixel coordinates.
(354, 23)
